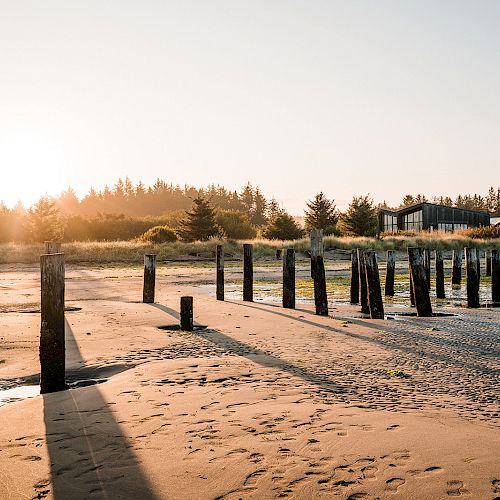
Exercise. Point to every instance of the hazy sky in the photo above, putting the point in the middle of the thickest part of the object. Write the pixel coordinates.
(348, 97)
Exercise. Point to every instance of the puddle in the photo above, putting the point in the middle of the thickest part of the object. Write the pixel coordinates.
(18, 393)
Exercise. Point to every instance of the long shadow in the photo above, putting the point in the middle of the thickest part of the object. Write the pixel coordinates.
(377, 341)
(89, 454)
(263, 358)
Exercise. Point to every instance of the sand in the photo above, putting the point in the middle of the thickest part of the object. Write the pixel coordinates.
(262, 403)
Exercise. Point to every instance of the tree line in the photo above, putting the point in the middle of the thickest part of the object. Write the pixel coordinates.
(163, 212)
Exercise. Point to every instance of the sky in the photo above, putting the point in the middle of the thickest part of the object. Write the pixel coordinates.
(351, 97)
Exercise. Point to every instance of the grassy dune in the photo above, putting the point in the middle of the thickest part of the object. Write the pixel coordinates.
(133, 251)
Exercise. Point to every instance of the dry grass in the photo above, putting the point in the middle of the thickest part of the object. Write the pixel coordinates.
(133, 251)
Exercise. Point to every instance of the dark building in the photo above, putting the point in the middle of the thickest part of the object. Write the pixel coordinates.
(430, 217)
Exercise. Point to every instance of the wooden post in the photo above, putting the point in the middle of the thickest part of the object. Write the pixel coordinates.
(488, 262)
(187, 314)
(478, 264)
(412, 294)
(318, 272)
(316, 247)
(419, 280)
(427, 265)
(472, 277)
(363, 293)
(495, 275)
(52, 342)
(289, 279)
(220, 272)
(440, 293)
(390, 272)
(148, 291)
(247, 272)
(456, 273)
(279, 254)
(354, 278)
(375, 303)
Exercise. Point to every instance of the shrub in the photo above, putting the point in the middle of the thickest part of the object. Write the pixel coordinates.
(235, 225)
(485, 232)
(283, 227)
(159, 234)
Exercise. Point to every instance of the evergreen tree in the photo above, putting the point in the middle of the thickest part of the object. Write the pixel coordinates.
(199, 223)
(247, 198)
(283, 227)
(258, 214)
(408, 200)
(273, 209)
(360, 219)
(321, 213)
(43, 221)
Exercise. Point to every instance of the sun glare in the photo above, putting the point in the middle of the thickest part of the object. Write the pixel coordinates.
(31, 165)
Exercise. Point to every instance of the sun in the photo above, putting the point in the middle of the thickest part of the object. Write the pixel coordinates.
(31, 165)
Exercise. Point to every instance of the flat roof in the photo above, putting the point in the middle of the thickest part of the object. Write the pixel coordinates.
(417, 206)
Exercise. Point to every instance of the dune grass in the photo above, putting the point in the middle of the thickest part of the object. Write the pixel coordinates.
(133, 251)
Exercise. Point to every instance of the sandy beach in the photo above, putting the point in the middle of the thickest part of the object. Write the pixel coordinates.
(259, 402)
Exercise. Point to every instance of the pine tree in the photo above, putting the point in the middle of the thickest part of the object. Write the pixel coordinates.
(273, 208)
(360, 219)
(199, 223)
(321, 213)
(408, 200)
(247, 198)
(258, 214)
(43, 221)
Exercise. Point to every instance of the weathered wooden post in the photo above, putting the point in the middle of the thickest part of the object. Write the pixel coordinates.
(495, 275)
(390, 272)
(187, 314)
(419, 281)
(427, 266)
(219, 294)
(478, 264)
(148, 291)
(279, 254)
(354, 277)
(316, 247)
(247, 272)
(363, 293)
(440, 293)
(52, 343)
(456, 268)
(472, 277)
(289, 279)
(52, 247)
(488, 262)
(375, 303)
(318, 272)
(412, 294)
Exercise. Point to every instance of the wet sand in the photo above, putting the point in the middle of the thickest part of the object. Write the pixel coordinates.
(263, 403)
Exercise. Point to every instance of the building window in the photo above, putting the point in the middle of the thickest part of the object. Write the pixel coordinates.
(413, 221)
(449, 227)
(390, 223)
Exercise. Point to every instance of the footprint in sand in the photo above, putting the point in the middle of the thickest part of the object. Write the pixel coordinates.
(394, 483)
(369, 471)
(252, 478)
(456, 488)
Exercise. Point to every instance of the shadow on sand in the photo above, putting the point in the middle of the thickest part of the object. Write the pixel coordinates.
(90, 456)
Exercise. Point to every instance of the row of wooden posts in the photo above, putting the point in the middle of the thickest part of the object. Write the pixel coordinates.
(365, 289)
(365, 279)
